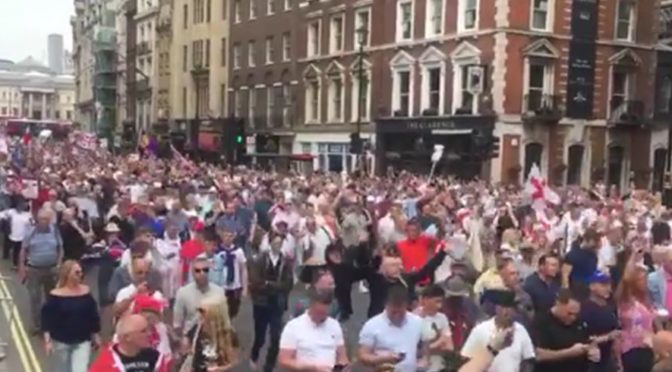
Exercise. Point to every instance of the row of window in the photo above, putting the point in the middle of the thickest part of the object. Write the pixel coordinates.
(5, 111)
(360, 95)
(278, 99)
(337, 24)
(201, 12)
(270, 8)
(200, 54)
(269, 51)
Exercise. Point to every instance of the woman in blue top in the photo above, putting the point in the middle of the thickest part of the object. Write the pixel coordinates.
(70, 321)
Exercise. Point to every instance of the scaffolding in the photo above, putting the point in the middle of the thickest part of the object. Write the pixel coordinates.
(105, 80)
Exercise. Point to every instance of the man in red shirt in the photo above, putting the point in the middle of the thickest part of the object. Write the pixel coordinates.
(416, 250)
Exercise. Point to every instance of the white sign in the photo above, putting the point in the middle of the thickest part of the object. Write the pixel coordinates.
(437, 154)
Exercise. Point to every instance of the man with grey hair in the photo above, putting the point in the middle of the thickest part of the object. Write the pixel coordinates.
(132, 351)
(41, 254)
(189, 297)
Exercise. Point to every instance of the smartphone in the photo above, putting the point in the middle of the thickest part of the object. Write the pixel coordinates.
(340, 367)
(402, 356)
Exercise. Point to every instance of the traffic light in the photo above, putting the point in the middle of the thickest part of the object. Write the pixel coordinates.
(494, 147)
(234, 140)
(355, 143)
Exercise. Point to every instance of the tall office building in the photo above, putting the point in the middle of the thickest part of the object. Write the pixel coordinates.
(55, 49)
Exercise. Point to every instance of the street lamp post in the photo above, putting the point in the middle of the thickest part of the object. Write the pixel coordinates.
(362, 34)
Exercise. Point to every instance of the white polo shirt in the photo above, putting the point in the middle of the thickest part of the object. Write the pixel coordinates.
(381, 335)
(314, 343)
(508, 359)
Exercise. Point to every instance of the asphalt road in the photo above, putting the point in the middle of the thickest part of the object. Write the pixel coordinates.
(26, 352)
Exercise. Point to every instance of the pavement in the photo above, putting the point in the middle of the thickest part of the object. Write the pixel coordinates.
(25, 353)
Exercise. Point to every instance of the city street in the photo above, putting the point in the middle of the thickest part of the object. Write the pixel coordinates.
(26, 353)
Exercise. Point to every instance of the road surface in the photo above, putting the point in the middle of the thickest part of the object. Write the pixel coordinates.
(25, 352)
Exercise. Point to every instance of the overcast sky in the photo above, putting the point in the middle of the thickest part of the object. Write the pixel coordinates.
(25, 24)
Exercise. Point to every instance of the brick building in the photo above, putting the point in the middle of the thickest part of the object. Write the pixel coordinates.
(565, 84)
(262, 72)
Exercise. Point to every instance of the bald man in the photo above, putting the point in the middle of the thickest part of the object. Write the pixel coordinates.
(132, 352)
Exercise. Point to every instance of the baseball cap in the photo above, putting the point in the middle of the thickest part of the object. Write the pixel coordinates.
(599, 277)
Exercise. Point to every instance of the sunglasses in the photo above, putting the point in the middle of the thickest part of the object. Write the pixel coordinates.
(203, 270)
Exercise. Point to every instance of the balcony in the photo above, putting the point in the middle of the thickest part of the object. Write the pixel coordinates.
(198, 71)
(626, 112)
(143, 48)
(143, 85)
(541, 107)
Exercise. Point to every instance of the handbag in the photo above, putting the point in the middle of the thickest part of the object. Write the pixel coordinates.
(187, 364)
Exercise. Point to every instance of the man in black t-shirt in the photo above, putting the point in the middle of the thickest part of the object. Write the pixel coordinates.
(132, 351)
(599, 315)
(561, 339)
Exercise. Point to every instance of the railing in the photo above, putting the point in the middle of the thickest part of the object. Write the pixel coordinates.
(624, 111)
(541, 106)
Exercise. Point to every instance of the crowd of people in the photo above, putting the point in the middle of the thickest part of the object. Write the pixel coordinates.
(460, 275)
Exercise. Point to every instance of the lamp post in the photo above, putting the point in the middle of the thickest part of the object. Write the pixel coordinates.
(362, 36)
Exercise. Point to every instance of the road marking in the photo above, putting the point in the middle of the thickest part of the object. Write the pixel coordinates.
(18, 323)
(15, 333)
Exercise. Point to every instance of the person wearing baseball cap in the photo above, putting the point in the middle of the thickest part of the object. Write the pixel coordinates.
(520, 355)
(599, 315)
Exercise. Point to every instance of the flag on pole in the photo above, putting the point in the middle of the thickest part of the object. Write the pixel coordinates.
(184, 162)
(537, 188)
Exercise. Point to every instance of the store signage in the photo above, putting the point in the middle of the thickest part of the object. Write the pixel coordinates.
(450, 123)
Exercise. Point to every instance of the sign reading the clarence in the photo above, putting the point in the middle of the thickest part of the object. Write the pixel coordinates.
(430, 125)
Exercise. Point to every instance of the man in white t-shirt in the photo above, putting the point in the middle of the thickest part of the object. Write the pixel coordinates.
(519, 356)
(435, 327)
(390, 339)
(125, 296)
(234, 270)
(313, 341)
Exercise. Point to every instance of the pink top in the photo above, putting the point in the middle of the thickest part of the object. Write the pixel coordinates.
(637, 325)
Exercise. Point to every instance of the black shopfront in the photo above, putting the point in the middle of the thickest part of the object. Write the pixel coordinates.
(408, 143)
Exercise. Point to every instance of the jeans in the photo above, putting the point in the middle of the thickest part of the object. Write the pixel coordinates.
(39, 281)
(265, 317)
(70, 358)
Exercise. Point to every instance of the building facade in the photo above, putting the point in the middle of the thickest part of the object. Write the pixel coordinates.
(56, 54)
(263, 71)
(661, 161)
(145, 22)
(198, 72)
(162, 77)
(31, 90)
(95, 60)
(336, 57)
(567, 85)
